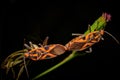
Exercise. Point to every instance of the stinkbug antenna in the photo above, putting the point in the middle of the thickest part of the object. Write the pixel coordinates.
(112, 36)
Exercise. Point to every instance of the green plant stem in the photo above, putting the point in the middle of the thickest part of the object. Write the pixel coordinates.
(70, 57)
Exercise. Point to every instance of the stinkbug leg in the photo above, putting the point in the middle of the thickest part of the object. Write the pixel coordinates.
(102, 38)
(77, 34)
(31, 44)
(89, 51)
(28, 47)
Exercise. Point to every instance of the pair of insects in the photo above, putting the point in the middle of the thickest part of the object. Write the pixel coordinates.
(44, 51)
(80, 43)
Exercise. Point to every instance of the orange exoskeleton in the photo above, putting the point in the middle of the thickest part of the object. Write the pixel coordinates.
(44, 51)
(83, 42)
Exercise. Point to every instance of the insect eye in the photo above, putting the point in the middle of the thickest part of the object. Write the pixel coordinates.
(46, 47)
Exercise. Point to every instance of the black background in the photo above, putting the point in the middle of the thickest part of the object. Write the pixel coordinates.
(34, 20)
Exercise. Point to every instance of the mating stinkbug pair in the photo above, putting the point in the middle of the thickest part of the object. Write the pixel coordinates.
(79, 43)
